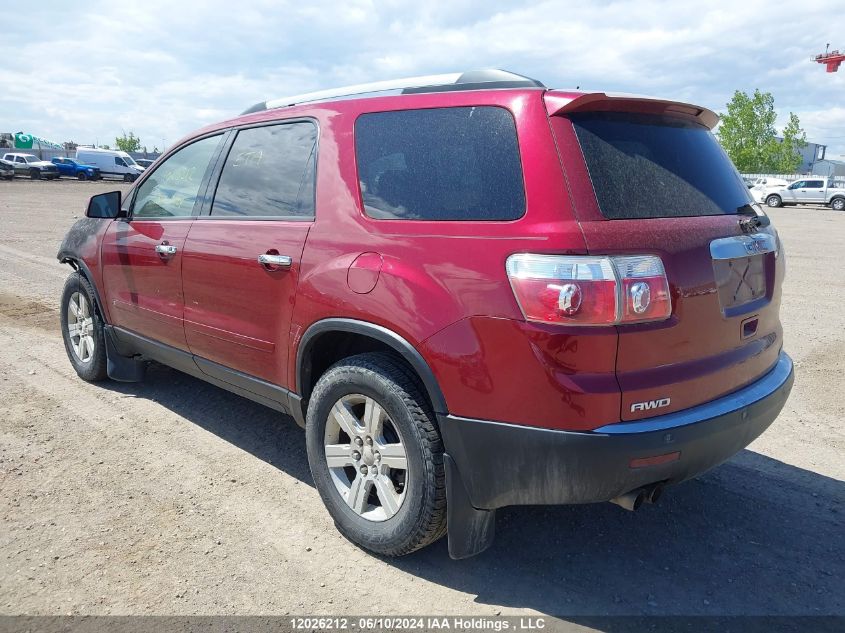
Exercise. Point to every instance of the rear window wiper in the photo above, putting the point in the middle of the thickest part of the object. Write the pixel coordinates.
(754, 218)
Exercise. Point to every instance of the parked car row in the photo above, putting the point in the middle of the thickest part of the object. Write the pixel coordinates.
(89, 164)
(30, 165)
(809, 190)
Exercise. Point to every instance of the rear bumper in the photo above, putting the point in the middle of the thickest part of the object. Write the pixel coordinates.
(505, 464)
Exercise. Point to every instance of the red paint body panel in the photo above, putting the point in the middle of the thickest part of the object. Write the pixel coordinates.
(143, 290)
(442, 286)
(433, 273)
(84, 240)
(237, 313)
(698, 354)
(531, 374)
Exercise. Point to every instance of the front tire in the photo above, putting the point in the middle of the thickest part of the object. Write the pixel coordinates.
(774, 201)
(34, 174)
(82, 329)
(837, 204)
(376, 455)
(81, 176)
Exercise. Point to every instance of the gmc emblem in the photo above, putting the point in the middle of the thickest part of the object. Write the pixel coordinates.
(650, 404)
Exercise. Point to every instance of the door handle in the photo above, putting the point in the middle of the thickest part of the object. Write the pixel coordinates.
(165, 249)
(273, 261)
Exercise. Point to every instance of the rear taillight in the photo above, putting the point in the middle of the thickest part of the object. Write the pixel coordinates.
(586, 290)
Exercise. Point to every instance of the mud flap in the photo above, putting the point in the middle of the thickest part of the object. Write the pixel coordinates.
(471, 531)
(119, 367)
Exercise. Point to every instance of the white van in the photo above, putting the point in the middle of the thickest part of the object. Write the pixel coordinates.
(111, 162)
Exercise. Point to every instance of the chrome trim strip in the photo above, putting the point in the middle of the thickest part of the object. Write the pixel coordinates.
(375, 86)
(743, 246)
(746, 396)
(490, 79)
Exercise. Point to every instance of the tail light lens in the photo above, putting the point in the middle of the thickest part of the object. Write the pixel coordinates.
(587, 290)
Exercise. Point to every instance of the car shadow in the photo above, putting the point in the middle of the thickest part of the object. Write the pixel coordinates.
(267, 434)
(755, 536)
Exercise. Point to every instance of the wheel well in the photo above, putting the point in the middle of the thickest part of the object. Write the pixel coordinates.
(331, 347)
(324, 348)
(84, 272)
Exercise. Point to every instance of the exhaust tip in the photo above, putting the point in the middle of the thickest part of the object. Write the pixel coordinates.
(638, 500)
(654, 494)
(631, 500)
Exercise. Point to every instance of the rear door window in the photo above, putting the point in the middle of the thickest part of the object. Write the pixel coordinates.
(269, 172)
(645, 166)
(457, 163)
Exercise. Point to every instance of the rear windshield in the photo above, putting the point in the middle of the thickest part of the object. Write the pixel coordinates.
(457, 163)
(645, 166)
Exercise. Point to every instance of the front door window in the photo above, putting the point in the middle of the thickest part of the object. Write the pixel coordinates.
(173, 188)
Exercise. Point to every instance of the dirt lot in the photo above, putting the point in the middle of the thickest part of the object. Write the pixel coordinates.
(174, 497)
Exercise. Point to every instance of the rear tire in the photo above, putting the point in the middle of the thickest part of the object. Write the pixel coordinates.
(390, 499)
(82, 329)
(774, 201)
(837, 204)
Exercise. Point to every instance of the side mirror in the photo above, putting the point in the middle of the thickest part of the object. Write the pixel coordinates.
(104, 205)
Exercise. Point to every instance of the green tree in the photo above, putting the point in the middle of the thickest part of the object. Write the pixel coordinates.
(747, 132)
(794, 139)
(128, 142)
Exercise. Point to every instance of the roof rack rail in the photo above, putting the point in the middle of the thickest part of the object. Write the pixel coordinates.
(471, 80)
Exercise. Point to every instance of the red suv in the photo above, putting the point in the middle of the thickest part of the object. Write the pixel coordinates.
(471, 291)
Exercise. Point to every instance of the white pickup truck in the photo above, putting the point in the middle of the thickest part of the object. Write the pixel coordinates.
(806, 191)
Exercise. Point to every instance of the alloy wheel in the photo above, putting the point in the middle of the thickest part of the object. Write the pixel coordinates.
(80, 327)
(366, 457)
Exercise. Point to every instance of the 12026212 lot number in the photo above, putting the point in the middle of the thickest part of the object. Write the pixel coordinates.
(411, 623)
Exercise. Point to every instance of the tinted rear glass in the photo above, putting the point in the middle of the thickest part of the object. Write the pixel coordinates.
(269, 172)
(644, 166)
(440, 164)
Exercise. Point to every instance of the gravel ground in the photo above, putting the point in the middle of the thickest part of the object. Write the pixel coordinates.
(175, 497)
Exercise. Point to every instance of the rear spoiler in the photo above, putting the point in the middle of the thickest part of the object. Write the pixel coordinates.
(560, 102)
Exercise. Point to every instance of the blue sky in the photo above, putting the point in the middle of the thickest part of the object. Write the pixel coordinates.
(85, 71)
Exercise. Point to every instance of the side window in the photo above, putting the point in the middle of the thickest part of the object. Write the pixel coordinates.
(457, 163)
(814, 184)
(172, 189)
(269, 172)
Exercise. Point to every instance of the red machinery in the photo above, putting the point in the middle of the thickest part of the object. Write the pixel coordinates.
(831, 60)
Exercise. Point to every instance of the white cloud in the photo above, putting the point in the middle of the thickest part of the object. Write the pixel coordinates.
(162, 68)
